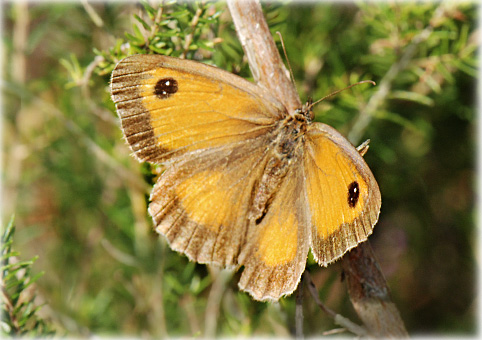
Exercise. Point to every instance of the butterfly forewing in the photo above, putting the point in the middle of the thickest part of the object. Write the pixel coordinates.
(343, 195)
(170, 106)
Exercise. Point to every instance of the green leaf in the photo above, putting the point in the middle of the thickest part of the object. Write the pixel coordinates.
(413, 97)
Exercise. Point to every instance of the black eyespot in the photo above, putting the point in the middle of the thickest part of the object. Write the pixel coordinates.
(165, 87)
(353, 194)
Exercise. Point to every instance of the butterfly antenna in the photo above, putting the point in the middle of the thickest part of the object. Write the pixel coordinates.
(287, 60)
(338, 91)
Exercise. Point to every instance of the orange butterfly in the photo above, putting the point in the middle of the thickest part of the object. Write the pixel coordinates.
(247, 183)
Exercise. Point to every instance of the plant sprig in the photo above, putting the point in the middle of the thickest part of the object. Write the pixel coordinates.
(19, 311)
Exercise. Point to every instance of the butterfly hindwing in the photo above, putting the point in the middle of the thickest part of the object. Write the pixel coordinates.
(279, 243)
(201, 203)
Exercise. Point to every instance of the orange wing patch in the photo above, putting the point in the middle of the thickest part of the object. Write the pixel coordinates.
(204, 194)
(273, 248)
(187, 120)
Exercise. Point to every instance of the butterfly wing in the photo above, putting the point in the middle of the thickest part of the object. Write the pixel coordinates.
(200, 203)
(276, 258)
(169, 107)
(343, 196)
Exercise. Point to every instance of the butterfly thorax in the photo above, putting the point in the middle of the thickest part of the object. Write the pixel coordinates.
(284, 149)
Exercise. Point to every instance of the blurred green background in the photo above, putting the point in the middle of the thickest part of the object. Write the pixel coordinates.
(80, 200)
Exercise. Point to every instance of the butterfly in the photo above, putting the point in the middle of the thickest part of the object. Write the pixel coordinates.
(246, 183)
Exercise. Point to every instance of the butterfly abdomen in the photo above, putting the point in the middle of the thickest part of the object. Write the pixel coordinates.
(285, 148)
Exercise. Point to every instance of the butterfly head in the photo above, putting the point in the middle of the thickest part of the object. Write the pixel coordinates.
(305, 113)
